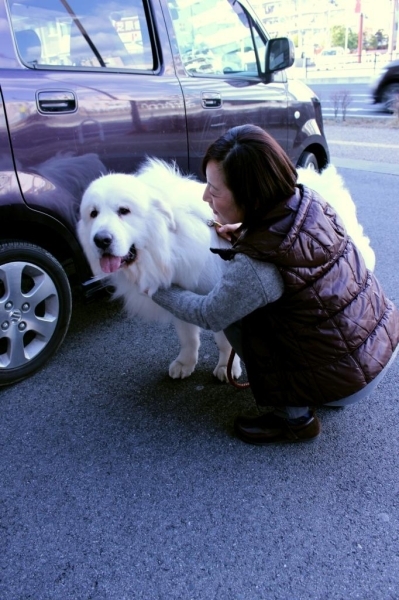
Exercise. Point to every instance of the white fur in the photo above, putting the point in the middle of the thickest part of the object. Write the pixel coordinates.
(330, 185)
(167, 224)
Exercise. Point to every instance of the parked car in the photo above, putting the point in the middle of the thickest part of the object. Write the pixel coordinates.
(92, 86)
(385, 87)
(330, 58)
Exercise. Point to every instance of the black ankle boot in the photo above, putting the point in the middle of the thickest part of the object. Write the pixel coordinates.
(272, 429)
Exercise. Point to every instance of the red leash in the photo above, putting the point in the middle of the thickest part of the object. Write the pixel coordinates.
(229, 374)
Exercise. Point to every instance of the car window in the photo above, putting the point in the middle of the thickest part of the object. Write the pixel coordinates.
(82, 34)
(216, 38)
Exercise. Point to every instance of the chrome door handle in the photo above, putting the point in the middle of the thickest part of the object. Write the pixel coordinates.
(211, 100)
(56, 101)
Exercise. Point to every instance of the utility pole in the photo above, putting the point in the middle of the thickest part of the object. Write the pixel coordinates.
(393, 37)
(358, 10)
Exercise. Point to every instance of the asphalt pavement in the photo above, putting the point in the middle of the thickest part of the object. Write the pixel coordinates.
(117, 483)
(365, 145)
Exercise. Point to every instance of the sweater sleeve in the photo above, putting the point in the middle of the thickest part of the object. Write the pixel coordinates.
(246, 285)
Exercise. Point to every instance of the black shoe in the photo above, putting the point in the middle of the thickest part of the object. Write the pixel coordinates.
(271, 429)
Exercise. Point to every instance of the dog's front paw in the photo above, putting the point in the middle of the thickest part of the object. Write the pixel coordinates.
(178, 370)
(220, 371)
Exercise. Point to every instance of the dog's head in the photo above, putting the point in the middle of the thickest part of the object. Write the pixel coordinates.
(120, 223)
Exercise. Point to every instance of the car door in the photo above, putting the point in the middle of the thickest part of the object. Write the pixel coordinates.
(94, 93)
(220, 55)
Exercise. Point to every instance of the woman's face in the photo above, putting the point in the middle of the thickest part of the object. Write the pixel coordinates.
(219, 197)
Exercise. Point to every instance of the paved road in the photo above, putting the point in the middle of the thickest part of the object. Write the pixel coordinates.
(364, 147)
(120, 484)
(350, 94)
(352, 98)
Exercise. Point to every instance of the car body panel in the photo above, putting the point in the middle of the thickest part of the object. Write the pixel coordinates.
(65, 124)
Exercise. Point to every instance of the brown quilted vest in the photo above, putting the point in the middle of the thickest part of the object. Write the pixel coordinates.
(333, 330)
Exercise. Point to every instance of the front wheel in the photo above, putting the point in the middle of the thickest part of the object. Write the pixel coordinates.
(308, 160)
(390, 98)
(35, 309)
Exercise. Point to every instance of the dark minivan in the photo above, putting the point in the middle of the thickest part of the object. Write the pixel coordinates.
(92, 86)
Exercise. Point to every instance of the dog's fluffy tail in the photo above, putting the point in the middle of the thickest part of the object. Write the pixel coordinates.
(330, 185)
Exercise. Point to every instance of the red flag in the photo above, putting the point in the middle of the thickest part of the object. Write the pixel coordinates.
(358, 6)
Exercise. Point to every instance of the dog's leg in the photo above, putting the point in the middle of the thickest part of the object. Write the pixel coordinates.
(224, 352)
(189, 337)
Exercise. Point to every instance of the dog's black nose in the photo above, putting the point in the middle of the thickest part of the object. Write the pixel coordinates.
(103, 240)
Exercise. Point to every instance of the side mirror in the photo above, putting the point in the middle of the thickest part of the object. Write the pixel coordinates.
(280, 54)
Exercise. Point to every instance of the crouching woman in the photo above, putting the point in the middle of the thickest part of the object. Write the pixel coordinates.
(311, 323)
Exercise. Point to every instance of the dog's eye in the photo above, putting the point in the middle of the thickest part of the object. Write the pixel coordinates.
(94, 213)
(123, 211)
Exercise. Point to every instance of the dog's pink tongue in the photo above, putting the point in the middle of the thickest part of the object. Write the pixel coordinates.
(110, 264)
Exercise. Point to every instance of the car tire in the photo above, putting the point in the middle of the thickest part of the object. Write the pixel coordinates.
(308, 160)
(35, 309)
(390, 97)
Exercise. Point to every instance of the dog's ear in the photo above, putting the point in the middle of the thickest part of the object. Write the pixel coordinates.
(166, 211)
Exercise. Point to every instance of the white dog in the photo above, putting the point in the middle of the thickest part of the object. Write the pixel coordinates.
(330, 185)
(151, 229)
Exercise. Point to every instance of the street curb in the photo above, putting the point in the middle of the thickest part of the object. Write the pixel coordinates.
(365, 165)
(312, 80)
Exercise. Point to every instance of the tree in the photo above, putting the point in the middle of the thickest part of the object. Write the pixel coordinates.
(382, 39)
(378, 41)
(338, 36)
(370, 42)
(338, 33)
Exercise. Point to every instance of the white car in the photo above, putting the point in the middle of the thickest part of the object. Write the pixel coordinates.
(330, 58)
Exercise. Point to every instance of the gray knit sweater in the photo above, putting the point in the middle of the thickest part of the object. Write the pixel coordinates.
(246, 285)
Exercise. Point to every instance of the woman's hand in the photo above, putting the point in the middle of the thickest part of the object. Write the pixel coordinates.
(227, 231)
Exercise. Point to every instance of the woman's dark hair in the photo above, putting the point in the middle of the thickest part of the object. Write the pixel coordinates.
(256, 170)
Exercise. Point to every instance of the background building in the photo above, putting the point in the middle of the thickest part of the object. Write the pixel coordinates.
(314, 24)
